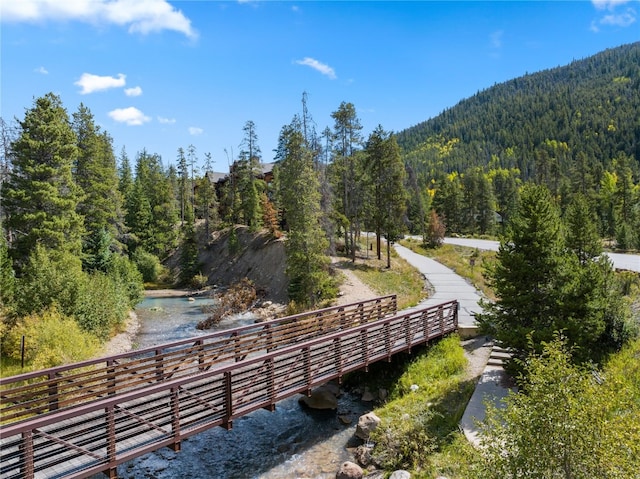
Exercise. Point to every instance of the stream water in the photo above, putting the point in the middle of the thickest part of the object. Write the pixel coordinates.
(292, 442)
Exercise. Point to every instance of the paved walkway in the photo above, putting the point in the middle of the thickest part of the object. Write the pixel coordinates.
(447, 285)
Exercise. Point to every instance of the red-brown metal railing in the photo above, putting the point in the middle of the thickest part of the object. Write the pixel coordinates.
(99, 435)
(58, 388)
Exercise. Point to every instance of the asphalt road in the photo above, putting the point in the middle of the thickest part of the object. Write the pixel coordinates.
(629, 262)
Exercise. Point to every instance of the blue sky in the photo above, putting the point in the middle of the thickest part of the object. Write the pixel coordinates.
(161, 74)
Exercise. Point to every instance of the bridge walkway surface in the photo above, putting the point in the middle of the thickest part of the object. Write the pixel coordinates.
(82, 419)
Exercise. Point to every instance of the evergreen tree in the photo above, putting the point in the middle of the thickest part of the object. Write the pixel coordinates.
(448, 202)
(246, 169)
(307, 264)
(152, 214)
(347, 169)
(125, 175)
(505, 189)
(8, 133)
(545, 288)
(184, 188)
(96, 173)
(385, 171)
(206, 198)
(582, 231)
(40, 198)
(525, 275)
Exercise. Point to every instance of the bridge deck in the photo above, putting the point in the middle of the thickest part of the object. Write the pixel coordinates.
(98, 435)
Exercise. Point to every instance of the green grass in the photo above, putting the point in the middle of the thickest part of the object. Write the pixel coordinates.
(11, 367)
(401, 279)
(459, 259)
(419, 429)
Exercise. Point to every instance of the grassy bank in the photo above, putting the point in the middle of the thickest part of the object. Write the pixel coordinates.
(401, 279)
(428, 393)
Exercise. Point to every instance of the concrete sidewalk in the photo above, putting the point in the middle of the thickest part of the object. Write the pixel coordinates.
(447, 286)
(493, 384)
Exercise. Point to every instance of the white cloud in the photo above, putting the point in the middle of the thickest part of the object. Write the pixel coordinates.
(91, 83)
(608, 4)
(131, 116)
(195, 131)
(619, 20)
(496, 38)
(319, 66)
(615, 16)
(41, 70)
(141, 16)
(135, 91)
(166, 121)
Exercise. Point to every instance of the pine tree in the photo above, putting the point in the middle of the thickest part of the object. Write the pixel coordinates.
(347, 171)
(247, 167)
(526, 274)
(206, 198)
(152, 214)
(96, 174)
(582, 232)
(40, 198)
(307, 264)
(547, 285)
(385, 172)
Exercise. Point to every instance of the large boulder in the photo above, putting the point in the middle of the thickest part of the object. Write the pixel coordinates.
(366, 423)
(349, 470)
(324, 397)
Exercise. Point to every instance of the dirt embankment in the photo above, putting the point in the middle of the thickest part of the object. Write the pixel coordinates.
(256, 256)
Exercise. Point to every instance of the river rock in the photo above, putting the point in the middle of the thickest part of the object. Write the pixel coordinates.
(366, 423)
(362, 454)
(349, 470)
(367, 395)
(321, 398)
(345, 419)
(400, 474)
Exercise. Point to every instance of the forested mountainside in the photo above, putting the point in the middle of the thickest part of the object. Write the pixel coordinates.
(540, 123)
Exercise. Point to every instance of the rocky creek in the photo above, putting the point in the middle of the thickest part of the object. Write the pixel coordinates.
(292, 442)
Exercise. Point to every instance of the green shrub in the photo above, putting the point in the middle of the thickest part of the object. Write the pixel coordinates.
(567, 420)
(199, 281)
(51, 339)
(148, 265)
(101, 305)
(49, 279)
(128, 278)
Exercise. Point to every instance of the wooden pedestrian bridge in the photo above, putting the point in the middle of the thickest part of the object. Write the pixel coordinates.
(86, 418)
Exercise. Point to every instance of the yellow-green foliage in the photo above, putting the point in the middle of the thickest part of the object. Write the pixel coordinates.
(568, 421)
(424, 407)
(51, 339)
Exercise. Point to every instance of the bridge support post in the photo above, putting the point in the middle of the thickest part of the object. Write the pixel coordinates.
(27, 455)
(175, 420)
(53, 391)
(227, 422)
(112, 471)
(306, 354)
